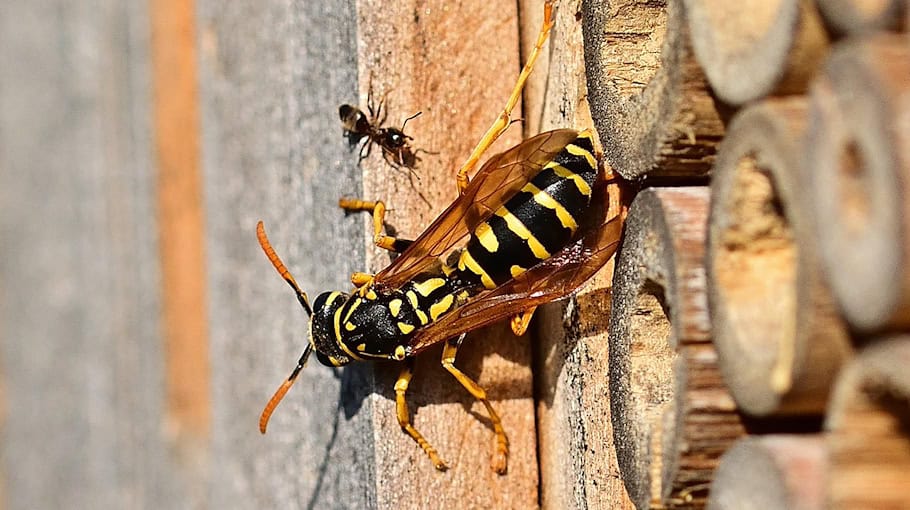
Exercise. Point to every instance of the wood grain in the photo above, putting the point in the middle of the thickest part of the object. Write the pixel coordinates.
(779, 336)
(856, 175)
(649, 99)
(272, 75)
(778, 44)
(672, 415)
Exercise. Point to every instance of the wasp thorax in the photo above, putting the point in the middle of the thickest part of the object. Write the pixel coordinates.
(322, 329)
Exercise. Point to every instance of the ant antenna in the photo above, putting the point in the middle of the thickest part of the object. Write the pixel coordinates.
(301, 296)
(405, 123)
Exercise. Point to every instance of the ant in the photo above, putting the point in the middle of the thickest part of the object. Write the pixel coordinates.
(394, 143)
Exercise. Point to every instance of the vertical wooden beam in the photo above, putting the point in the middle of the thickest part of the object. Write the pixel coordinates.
(79, 300)
(272, 74)
(180, 223)
(578, 466)
(456, 62)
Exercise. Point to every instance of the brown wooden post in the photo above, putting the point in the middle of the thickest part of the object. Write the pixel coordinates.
(649, 99)
(672, 416)
(779, 336)
(750, 50)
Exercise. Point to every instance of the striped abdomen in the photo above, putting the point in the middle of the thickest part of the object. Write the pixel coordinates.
(538, 221)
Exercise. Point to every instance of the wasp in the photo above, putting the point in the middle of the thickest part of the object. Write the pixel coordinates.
(394, 143)
(530, 227)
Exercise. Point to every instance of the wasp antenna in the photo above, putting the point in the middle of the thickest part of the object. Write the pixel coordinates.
(280, 267)
(282, 390)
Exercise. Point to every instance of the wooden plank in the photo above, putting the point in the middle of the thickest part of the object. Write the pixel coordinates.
(272, 76)
(457, 62)
(179, 205)
(79, 332)
(578, 466)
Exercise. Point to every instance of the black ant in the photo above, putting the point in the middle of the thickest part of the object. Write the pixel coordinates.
(393, 141)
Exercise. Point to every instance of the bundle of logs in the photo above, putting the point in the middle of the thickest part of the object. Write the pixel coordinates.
(759, 349)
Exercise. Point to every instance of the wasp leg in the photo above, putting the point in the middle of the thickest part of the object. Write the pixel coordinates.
(377, 209)
(404, 416)
(521, 321)
(501, 459)
(503, 121)
(361, 279)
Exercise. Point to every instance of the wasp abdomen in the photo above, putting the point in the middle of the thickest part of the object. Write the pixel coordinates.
(536, 222)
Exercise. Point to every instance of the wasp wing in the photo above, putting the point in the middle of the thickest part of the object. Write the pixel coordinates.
(553, 278)
(499, 178)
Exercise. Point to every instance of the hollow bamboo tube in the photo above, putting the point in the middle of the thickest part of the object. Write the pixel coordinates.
(755, 48)
(649, 99)
(857, 179)
(763, 472)
(869, 429)
(672, 415)
(779, 337)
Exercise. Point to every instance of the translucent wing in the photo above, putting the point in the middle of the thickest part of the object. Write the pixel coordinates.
(499, 178)
(554, 278)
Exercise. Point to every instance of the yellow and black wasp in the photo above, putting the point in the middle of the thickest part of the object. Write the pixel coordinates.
(529, 228)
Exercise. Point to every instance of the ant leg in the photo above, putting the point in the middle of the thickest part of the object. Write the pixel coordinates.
(502, 122)
(367, 146)
(500, 460)
(404, 416)
(370, 96)
(521, 321)
(377, 209)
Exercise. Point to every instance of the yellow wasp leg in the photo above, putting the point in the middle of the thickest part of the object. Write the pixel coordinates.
(521, 321)
(377, 209)
(502, 122)
(500, 460)
(404, 419)
(361, 279)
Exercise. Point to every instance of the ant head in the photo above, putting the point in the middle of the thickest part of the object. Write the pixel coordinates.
(394, 138)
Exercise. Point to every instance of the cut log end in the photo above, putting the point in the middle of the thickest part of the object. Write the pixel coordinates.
(779, 339)
(869, 429)
(778, 44)
(649, 100)
(856, 186)
(672, 416)
(771, 472)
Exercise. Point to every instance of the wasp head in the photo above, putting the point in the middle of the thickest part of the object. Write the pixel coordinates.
(323, 337)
